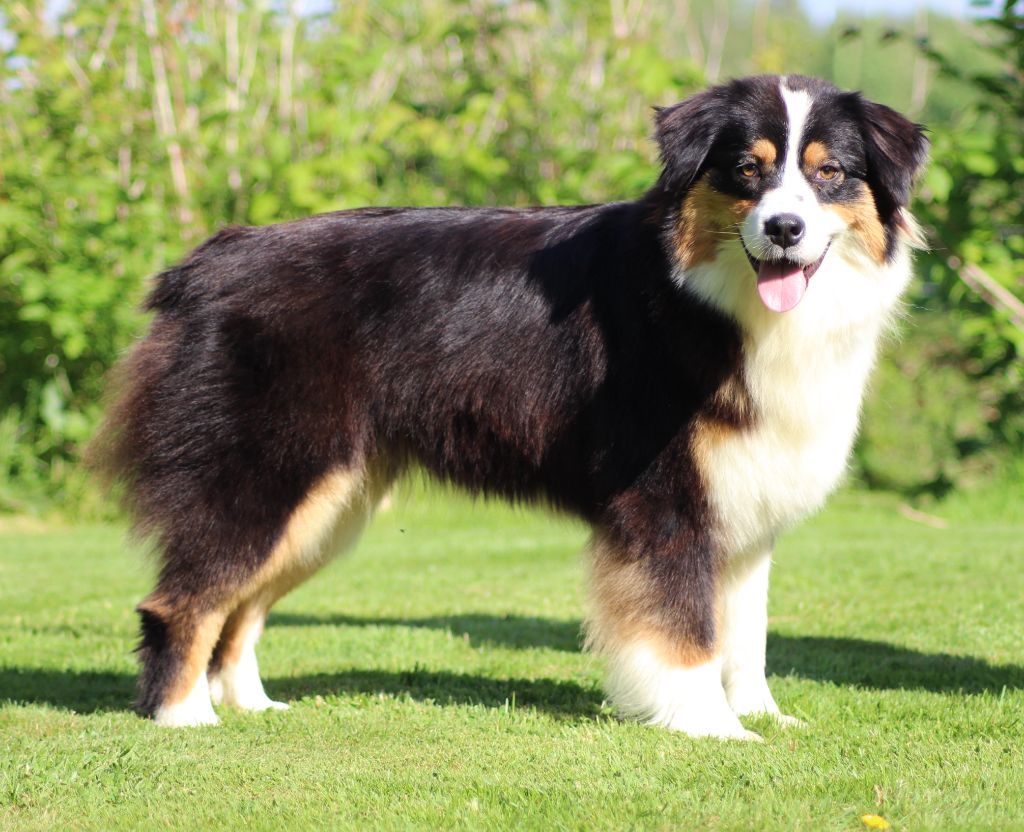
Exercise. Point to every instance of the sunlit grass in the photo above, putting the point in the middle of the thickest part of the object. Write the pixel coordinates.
(436, 681)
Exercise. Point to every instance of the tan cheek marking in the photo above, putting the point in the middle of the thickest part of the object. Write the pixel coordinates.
(625, 611)
(861, 217)
(765, 150)
(814, 155)
(706, 213)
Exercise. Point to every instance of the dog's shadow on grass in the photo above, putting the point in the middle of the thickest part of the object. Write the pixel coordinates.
(517, 631)
(881, 666)
(78, 691)
(841, 661)
(88, 692)
(556, 697)
(559, 697)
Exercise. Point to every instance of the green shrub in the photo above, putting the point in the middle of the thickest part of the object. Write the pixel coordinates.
(131, 130)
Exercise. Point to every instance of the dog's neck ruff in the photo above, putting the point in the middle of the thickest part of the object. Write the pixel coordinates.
(805, 371)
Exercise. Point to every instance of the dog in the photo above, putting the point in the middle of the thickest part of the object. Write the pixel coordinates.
(684, 372)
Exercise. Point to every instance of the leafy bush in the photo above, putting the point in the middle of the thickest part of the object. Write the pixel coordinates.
(949, 406)
(131, 129)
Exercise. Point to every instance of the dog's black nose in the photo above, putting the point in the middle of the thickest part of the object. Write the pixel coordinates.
(784, 229)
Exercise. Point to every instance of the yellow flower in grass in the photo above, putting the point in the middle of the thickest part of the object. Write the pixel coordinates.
(874, 821)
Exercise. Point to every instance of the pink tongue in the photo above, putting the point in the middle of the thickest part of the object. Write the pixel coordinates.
(781, 285)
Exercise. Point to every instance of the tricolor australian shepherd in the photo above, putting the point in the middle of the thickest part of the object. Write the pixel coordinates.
(683, 372)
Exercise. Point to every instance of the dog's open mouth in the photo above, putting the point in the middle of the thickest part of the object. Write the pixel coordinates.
(782, 283)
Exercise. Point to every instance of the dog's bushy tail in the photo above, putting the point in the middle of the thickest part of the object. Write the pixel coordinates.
(120, 451)
(146, 437)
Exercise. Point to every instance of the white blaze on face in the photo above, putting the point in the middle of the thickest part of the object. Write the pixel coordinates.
(781, 280)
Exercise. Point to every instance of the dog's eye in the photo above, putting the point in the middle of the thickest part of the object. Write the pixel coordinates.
(748, 170)
(829, 171)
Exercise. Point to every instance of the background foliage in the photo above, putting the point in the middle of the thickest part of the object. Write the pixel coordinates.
(952, 405)
(130, 130)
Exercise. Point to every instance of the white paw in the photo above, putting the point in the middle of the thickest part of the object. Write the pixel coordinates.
(190, 713)
(216, 690)
(260, 704)
(718, 724)
(787, 721)
(754, 699)
(194, 710)
(240, 687)
(750, 696)
(686, 699)
(248, 699)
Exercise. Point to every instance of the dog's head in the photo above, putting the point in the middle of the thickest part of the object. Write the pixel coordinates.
(793, 172)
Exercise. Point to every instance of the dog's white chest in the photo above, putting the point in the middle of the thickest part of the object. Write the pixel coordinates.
(765, 478)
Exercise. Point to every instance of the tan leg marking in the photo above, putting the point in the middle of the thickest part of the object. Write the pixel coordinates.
(624, 613)
(232, 636)
(234, 672)
(329, 520)
(652, 674)
(196, 629)
(204, 635)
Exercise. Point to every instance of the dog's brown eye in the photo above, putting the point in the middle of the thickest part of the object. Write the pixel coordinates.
(828, 171)
(749, 170)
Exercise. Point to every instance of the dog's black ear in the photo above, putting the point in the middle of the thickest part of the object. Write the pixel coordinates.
(896, 151)
(686, 132)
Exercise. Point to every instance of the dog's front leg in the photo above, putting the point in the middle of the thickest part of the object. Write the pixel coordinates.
(744, 629)
(654, 621)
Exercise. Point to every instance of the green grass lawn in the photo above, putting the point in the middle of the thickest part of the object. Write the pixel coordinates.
(436, 681)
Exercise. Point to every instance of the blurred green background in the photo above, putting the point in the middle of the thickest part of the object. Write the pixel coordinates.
(131, 130)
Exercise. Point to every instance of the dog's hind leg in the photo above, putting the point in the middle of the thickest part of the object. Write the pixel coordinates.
(233, 671)
(208, 608)
(178, 635)
(328, 522)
